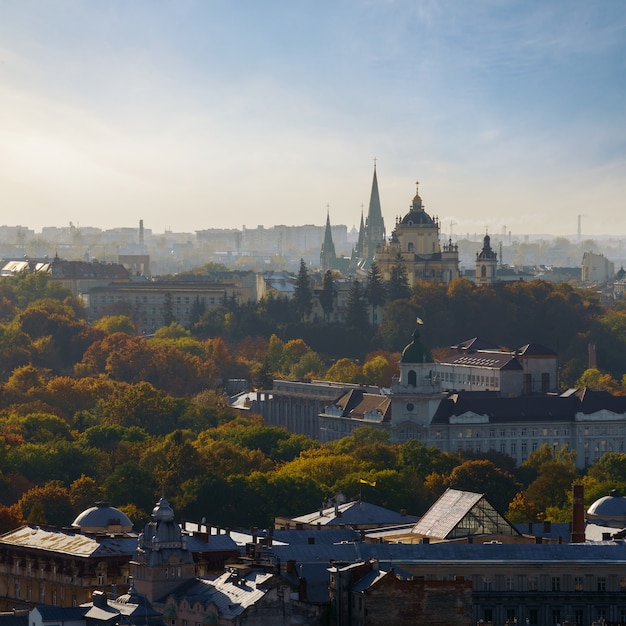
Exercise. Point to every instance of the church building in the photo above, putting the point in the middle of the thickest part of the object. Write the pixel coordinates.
(415, 244)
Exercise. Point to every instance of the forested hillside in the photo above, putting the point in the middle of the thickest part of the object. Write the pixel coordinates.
(95, 412)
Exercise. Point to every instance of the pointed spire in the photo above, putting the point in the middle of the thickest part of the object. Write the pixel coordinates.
(328, 256)
(375, 223)
(360, 245)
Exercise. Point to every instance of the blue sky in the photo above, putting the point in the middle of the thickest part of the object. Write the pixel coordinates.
(193, 114)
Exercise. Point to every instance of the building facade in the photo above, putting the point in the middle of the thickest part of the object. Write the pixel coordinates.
(415, 244)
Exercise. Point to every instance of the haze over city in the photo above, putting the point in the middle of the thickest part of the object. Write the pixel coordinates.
(193, 115)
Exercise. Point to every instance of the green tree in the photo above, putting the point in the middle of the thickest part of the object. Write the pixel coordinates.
(168, 310)
(356, 310)
(398, 324)
(483, 476)
(375, 291)
(327, 295)
(303, 295)
(610, 467)
(116, 324)
(398, 287)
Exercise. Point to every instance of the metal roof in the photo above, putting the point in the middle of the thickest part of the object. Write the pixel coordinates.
(442, 552)
(71, 543)
(353, 513)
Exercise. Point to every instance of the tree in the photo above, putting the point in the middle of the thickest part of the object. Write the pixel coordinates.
(552, 487)
(498, 486)
(116, 324)
(398, 287)
(85, 492)
(343, 371)
(49, 504)
(168, 310)
(328, 295)
(356, 312)
(398, 324)
(375, 291)
(303, 295)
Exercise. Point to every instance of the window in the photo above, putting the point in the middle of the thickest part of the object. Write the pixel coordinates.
(601, 580)
(556, 616)
(509, 584)
(533, 616)
(488, 615)
(487, 583)
(532, 583)
(545, 382)
(528, 383)
(578, 583)
(556, 583)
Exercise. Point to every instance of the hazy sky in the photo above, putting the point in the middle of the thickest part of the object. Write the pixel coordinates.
(193, 114)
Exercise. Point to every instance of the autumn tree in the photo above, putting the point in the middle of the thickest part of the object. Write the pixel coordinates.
(343, 371)
(48, 504)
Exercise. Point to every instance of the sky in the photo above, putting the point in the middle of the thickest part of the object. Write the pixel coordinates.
(196, 114)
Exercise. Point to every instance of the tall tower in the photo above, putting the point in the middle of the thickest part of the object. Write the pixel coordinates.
(162, 560)
(375, 225)
(328, 257)
(486, 264)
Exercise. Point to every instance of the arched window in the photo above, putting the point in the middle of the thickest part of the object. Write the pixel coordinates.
(483, 271)
(412, 379)
(411, 246)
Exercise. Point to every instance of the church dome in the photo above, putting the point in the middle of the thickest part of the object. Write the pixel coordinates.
(416, 351)
(609, 510)
(417, 216)
(102, 519)
(163, 511)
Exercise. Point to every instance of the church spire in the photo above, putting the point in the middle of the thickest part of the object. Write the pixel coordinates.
(375, 223)
(328, 257)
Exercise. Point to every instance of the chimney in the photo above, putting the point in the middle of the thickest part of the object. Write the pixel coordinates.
(302, 590)
(141, 232)
(578, 515)
(99, 599)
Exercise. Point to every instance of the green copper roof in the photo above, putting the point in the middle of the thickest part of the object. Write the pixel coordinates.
(416, 351)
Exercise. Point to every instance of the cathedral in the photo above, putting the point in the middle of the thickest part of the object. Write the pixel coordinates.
(414, 243)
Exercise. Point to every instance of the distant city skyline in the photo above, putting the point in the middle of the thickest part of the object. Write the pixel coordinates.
(197, 114)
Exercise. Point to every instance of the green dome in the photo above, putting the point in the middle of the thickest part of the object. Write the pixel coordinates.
(416, 351)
